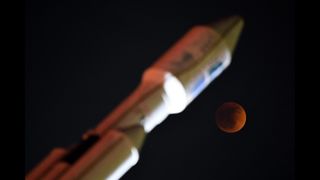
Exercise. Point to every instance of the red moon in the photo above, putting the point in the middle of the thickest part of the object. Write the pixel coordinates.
(230, 117)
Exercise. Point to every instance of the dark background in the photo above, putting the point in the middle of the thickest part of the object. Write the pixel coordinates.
(84, 58)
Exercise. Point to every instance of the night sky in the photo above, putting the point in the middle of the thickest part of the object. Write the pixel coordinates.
(84, 58)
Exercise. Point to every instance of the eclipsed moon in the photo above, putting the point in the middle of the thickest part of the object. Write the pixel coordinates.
(230, 117)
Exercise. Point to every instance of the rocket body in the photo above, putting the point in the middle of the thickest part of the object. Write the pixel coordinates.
(167, 87)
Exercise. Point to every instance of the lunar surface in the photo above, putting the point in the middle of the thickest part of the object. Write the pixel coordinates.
(230, 117)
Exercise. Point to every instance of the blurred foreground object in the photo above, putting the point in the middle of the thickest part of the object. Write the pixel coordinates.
(167, 87)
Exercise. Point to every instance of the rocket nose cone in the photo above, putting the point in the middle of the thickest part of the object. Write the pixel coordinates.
(230, 29)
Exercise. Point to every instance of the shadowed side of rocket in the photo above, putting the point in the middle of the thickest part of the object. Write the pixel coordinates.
(167, 87)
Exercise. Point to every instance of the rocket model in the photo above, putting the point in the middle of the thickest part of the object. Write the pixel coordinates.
(167, 87)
